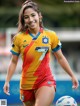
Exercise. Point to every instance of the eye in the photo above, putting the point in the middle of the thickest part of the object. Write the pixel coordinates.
(26, 17)
(33, 15)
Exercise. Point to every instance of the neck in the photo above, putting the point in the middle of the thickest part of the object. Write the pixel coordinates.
(34, 31)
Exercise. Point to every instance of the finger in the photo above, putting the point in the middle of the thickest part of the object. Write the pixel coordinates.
(6, 90)
(7, 93)
(75, 86)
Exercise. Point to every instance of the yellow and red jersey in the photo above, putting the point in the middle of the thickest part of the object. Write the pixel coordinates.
(35, 53)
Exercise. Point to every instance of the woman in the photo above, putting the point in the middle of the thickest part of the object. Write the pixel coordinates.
(34, 43)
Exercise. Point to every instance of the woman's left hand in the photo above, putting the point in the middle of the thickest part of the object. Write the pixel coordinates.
(75, 82)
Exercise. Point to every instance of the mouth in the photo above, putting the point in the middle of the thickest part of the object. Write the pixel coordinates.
(32, 24)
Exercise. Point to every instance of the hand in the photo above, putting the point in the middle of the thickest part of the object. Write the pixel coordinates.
(75, 83)
(6, 88)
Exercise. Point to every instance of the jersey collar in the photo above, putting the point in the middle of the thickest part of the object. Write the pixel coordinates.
(35, 37)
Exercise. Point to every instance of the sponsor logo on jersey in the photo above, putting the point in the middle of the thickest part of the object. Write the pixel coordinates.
(24, 43)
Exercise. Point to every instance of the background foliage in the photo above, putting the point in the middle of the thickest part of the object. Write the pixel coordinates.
(55, 13)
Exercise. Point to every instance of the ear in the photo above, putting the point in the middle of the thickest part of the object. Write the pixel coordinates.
(40, 15)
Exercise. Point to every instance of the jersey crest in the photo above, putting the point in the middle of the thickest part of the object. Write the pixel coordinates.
(45, 40)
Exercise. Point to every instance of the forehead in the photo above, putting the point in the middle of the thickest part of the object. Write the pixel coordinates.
(29, 11)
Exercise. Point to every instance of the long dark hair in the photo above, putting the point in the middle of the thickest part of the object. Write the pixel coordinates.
(25, 5)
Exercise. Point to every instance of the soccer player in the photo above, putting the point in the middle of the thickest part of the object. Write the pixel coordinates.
(34, 43)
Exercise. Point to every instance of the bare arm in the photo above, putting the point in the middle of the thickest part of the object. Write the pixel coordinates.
(65, 65)
(12, 67)
(10, 72)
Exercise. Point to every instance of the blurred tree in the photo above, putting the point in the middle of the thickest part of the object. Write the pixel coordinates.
(55, 13)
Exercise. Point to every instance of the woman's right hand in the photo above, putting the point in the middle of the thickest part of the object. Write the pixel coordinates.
(10, 72)
(6, 88)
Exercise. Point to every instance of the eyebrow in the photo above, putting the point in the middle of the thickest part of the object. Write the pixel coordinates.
(30, 14)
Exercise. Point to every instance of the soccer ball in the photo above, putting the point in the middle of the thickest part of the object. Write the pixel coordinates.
(66, 101)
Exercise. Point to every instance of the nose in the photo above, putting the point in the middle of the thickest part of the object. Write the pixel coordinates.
(30, 19)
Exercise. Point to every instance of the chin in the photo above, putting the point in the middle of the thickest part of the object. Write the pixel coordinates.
(33, 28)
